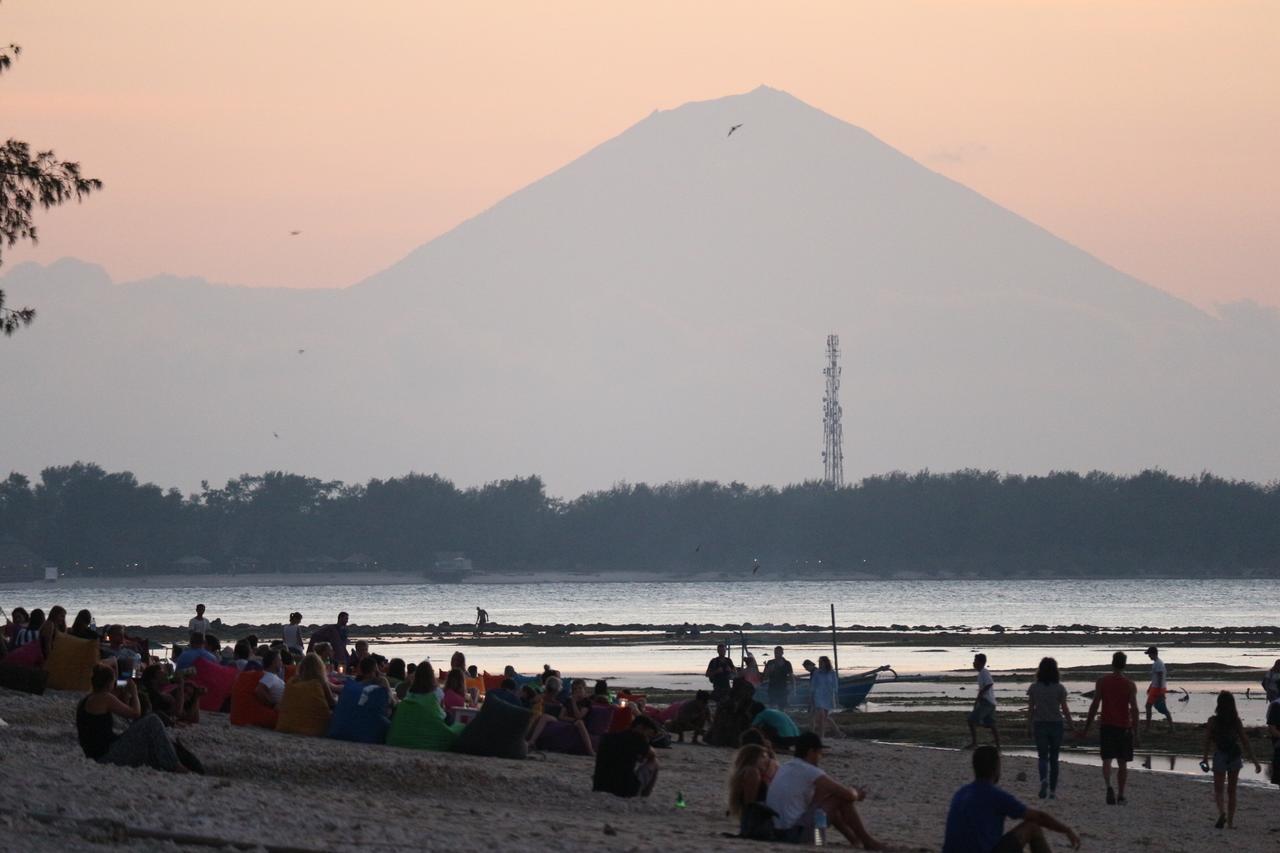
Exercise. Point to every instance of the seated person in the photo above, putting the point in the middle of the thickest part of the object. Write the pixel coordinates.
(455, 690)
(396, 672)
(975, 821)
(753, 768)
(81, 627)
(800, 788)
(600, 693)
(118, 646)
(693, 716)
(733, 715)
(505, 693)
(626, 765)
(270, 688)
(781, 729)
(419, 721)
(555, 720)
(308, 700)
(143, 744)
(195, 651)
(178, 704)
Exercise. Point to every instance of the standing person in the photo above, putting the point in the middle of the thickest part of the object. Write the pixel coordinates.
(292, 634)
(1049, 716)
(198, 624)
(337, 638)
(801, 789)
(975, 820)
(482, 619)
(1225, 733)
(1118, 697)
(984, 705)
(1273, 729)
(720, 672)
(1158, 690)
(824, 687)
(1270, 680)
(780, 676)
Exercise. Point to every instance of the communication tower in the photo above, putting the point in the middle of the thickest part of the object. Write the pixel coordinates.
(832, 432)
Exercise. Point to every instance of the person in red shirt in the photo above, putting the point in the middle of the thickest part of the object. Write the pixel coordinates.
(1118, 697)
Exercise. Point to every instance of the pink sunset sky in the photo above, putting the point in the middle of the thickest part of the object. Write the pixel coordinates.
(1145, 132)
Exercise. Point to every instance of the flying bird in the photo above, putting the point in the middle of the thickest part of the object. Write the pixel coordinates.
(301, 351)
(696, 550)
(732, 129)
(294, 233)
(276, 434)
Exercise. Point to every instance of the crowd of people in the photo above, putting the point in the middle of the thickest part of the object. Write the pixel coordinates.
(325, 685)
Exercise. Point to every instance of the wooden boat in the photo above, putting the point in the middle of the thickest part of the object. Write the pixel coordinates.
(853, 690)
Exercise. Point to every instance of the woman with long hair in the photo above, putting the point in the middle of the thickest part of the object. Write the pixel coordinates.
(1225, 733)
(749, 776)
(143, 744)
(455, 690)
(81, 627)
(1049, 718)
(29, 631)
(824, 688)
(55, 623)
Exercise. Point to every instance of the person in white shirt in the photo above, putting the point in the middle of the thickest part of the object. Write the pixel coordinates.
(984, 706)
(800, 789)
(1158, 689)
(293, 634)
(270, 687)
(199, 624)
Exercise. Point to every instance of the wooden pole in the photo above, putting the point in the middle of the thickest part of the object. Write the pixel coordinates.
(835, 648)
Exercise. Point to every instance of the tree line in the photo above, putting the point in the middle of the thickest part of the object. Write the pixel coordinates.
(966, 522)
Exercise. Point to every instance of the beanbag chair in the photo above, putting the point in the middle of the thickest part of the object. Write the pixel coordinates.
(31, 655)
(303, 709)
(497, 731)
(361, 713)
(476, 684)
(669, 713)
(246, 708)
(419, 724)
(216, 680)
(492, 682)
(622, 718)
(28, 679)
(70, 663)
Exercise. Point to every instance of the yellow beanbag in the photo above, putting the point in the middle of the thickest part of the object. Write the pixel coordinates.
(303, 709)
(70, 663)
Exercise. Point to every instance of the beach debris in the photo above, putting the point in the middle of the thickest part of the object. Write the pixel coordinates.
(609, 830)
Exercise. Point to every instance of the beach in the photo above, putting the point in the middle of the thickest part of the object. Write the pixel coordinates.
(270, 791)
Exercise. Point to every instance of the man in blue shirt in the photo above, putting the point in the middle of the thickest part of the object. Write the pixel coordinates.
(196, 651)
(975, 822)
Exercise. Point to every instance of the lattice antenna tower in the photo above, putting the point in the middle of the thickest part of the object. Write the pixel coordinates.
(832, 431)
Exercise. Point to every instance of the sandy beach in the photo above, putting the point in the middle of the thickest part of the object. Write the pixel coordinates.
(278, 792)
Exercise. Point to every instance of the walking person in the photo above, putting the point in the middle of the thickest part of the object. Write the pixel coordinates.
(984, 706)
(1270, 681)
(1158, 690)
(1118, 698)
(1224, 732)
(1049, 716)
(824, 688)
(780, 677)
(292, 635)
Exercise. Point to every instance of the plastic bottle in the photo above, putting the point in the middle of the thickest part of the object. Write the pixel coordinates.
(819, 828)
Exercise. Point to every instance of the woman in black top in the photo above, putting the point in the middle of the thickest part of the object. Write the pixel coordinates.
(143, 744)
(1225, 733)
(80, 627)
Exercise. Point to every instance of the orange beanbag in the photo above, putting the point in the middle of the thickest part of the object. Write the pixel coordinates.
(71, 662)
(246, 708)
(492, 682)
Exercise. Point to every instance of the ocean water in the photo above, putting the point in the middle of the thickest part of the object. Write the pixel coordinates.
(972, 603)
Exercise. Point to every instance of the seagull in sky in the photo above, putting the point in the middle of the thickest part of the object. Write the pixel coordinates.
(276, 434)
(301, 351)
(732, 129)
(294, 233)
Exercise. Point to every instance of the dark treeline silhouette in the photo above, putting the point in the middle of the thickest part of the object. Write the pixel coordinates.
(960, 523)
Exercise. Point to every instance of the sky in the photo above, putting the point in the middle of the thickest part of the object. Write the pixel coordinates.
(1143, 132)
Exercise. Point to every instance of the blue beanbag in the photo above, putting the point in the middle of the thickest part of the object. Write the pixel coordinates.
(361, 713)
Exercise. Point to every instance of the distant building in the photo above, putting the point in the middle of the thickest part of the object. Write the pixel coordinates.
(449, 567)
(19, 563)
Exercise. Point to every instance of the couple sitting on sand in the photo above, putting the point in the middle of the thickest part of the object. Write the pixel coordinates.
(797, 801)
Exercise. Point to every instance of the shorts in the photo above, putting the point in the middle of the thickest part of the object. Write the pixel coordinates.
(1155, 699)
(800, 832)
(1009, 843)
(1225, 762)
(983, 714)
(1117, 744)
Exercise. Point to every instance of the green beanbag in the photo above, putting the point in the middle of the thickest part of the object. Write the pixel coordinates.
(418, 723)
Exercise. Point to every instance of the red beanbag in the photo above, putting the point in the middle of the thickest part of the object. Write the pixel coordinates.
(246, 708)
(31, 655)
(216, 681)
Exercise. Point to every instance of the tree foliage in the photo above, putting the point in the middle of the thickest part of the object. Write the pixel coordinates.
(956, 524)
(29, 181)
